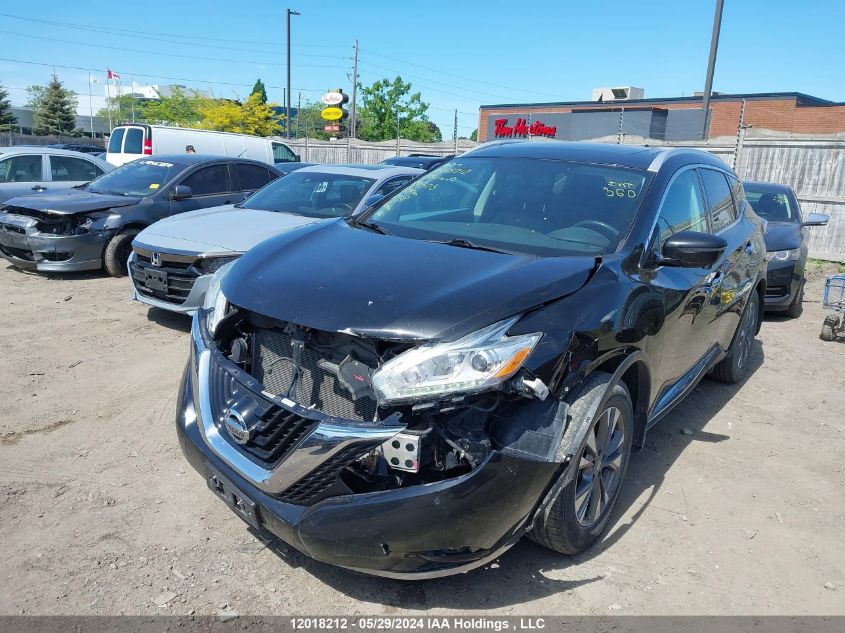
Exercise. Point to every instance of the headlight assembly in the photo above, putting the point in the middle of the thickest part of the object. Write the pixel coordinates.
(474, 363)
(215, 302)
(213, 264)
(790, 255)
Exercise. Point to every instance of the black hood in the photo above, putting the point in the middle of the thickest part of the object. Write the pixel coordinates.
(71, 202)
(782, 236)
(334, 277)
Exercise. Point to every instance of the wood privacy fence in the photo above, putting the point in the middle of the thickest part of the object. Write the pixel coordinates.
(369, 152)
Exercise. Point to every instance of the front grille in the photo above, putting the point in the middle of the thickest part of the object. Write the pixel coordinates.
(180, 280)
(314, 484)
(278, 431)
(316, 387)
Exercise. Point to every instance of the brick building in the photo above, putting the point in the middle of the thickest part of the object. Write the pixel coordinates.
(672, 119)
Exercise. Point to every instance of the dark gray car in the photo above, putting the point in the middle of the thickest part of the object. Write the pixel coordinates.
(93, 226)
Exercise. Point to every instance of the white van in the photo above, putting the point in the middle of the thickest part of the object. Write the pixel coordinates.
(135, 140)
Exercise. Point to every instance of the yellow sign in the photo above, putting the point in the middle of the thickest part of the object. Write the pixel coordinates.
(332, 114)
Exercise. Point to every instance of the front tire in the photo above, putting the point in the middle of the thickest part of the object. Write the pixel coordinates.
(734, 367)
(578, 508)
(117, 252)
(796, 308)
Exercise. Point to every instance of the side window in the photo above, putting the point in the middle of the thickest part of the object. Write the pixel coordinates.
(116, 140)
(283, 154)
(253, 177)
(63, 168)
(134, 141)
(738, 194)
(719, 198)
(392, 185)
(208, 180)
(26, 168)
(683, 208)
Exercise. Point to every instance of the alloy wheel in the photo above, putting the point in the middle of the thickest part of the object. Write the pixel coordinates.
(600, 467)
(746, 334)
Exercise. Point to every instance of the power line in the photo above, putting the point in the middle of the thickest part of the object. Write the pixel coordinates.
(149, 76)
(135, 32)
(149, 52)
(441, 72)
(415, 77)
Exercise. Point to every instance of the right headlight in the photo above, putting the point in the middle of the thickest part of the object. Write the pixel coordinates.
(215, 302)
(474, 363)
(213, 264)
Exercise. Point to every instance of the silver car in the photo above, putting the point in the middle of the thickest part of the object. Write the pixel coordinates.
(27, 170)
(173, 260)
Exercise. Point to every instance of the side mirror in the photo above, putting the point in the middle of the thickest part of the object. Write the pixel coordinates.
(181, 192)
(691, 249)
(816, 219)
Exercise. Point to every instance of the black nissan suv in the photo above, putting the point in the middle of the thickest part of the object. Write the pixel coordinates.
(409, 392)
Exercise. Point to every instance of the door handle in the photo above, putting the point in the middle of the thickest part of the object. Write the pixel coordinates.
(39, 188)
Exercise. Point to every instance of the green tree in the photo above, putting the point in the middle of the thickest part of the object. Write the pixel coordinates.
(180, 108)
(389, 107)
(260, 90)
(308, 123)
(474, 135)
(7, 117)
(55, 111)
(121, 108)
(250, 117)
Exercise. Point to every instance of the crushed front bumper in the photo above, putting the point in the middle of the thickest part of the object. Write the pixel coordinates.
(422, 531)
(26, 247)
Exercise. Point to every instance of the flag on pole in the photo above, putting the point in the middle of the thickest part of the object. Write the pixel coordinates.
(112, 74)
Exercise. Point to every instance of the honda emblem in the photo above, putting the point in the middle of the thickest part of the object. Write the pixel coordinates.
(155, 259)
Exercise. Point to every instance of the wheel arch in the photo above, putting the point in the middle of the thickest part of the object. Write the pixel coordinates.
(632, 369)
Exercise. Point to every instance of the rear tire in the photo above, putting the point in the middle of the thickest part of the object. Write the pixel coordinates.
(797, 306)
(568, 523)
(734, 367)
(117, 252)
(829, 327)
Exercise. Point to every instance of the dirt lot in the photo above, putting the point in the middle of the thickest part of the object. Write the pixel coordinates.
(736, 505)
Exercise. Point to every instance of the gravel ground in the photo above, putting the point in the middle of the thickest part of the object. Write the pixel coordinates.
(735, 506)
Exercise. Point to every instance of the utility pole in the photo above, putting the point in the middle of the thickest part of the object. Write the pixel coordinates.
(90, 106)
(298, 110)
(132, 95)
(620, 132)
(287, 93)
(455, 133)
(353, 121)
(108, 99)
(711, 65)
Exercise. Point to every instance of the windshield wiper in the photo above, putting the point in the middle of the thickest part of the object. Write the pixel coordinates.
(462, 243)
(373, 227)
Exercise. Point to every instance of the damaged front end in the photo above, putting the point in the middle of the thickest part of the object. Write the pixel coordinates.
(48, 240)
(388, 457)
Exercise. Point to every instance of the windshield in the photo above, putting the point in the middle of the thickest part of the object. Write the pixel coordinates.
(770, 205)
(312, 194)
(138, 178)
(533, 206)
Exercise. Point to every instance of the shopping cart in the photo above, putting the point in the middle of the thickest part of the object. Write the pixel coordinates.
(834, 299)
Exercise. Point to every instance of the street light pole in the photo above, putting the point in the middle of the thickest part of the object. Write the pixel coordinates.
(711, 65)
(287, 94)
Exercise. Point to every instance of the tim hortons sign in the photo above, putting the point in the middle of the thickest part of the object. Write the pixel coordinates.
(522, 129)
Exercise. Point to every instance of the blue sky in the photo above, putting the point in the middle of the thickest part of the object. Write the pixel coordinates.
(458, 53)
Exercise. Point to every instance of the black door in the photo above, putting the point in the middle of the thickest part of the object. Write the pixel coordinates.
(689, 332)
(734, 280)
(210, 187)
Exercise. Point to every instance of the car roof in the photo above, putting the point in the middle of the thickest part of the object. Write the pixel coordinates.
(411, 160)
(40, 149)
(363, 171)
(770, 187)
(633, 156)
(196, 159)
